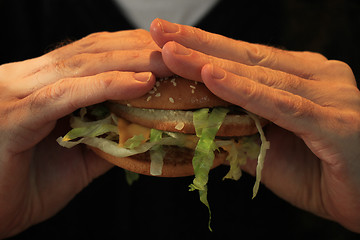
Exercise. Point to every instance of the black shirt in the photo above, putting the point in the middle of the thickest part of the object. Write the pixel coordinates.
(163, 207)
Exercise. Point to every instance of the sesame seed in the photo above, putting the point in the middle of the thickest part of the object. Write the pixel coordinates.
(158, 95)
(171, 100)
(192, 91)
(193, 87)
(157, 84)
(179, 126)
(148, 98)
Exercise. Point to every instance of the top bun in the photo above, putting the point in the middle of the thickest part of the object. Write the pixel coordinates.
(177, 93)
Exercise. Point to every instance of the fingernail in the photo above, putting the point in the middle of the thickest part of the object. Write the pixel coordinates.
(143, 76)
(168, 27)
(217, 73)
(181, 50)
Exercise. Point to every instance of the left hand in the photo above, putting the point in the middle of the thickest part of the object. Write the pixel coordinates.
(314, 159)
(37, 176)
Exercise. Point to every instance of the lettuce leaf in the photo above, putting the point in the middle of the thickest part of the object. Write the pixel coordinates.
(112, 147)
(101, 133)
(131, 177)
(206, 127)
(265, 145)
(93, 130)
(157, 153)
(134, 141)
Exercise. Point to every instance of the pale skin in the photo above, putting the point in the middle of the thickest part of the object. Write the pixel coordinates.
(313, 102)
(37, 177)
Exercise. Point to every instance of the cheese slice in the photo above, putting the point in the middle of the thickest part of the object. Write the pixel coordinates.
(128, 130)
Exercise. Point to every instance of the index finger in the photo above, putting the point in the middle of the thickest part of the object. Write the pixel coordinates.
(285, 109)
(235, 50)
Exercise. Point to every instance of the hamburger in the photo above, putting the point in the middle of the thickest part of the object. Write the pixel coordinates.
(177, 129)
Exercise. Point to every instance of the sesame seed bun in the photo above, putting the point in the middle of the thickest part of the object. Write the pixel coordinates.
(177, 93)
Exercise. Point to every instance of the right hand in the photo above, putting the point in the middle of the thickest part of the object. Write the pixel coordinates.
(314, 103)
(37, 176)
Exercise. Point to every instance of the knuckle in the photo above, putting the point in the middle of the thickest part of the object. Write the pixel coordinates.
(92, 42)
(135, 55)
(263, 76)
(143, 39)
(318, 56)
(294, 105)
(73, 66)
(6, 111)
(50, 94)
(263, 55)
(313, 55)
(278, 80)
(291, 83)
(140, 31)
(253, 53)
(251, 92)
(104, 81)
(96, 35)
(108, 56)
(108, 85)
(202, 37)
(338, 69)
(271, 59)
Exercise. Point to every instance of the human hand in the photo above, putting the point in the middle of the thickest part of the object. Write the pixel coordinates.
(37, 176)
(314, 159)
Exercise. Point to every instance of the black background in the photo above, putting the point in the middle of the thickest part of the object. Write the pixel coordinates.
(164, 208)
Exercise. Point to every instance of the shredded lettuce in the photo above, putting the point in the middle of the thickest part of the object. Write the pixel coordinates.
(265, 145)
(111, 147)
(94, 129)
(131, 177)
(236, 159)
(238, 153)
(104, 133)
(157, 153)
(206, 127)
(134, 141)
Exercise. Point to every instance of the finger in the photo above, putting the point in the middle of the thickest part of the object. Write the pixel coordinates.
(247, 53)
(285, 109)
(122, 60)
(107, 41)
(65, 96)
(88, 64)
(188, 63)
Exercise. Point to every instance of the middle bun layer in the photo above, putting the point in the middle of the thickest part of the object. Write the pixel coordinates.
(182, 121)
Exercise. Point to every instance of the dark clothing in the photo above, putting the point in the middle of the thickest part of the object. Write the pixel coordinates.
(163, 207)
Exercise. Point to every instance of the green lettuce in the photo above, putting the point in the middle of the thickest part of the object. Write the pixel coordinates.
(157, 153)
(206, 127)
(265, 145)
(103, 134)
(131, 177)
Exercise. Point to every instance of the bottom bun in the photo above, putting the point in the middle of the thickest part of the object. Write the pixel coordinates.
(177, 161)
